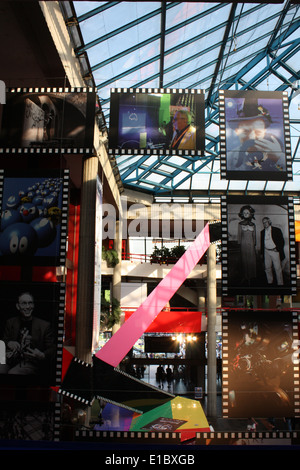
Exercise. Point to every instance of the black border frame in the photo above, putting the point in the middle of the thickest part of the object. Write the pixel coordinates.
(56, 290)
(41, 260)
(225, 355)
(114, 122)
(85, 149)
(251, 175)
(227, 288)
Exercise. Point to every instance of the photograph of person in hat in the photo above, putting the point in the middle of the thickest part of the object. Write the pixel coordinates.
(254, 134)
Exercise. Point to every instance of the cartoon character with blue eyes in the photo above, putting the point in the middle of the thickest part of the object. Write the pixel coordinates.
(29, 219)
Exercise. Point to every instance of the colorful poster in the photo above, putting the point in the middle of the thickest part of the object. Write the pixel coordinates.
(45, 120)
(31, 328)
(34, 210)
(258, 245)
(258, 364)
(254, 135)
(156, 121)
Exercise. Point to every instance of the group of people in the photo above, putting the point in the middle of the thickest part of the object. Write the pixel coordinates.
(271, 247)
(168, 375)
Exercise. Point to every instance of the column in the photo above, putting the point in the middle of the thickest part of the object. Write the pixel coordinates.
(86, 261)
(211, 332)
(117, 274)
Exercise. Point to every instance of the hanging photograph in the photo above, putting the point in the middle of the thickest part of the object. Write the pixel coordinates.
(258, 364)
(258, 245)
(255, 139)
(33, 224)
(48, 120)
(155, 121)
(31, 333)
(30, 421)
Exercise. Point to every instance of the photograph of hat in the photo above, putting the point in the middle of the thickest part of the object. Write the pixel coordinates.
(250, 109)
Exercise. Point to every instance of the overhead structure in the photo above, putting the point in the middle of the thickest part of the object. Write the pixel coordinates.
(189, 45)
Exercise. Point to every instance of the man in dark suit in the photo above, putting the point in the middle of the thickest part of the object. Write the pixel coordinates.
(29, 340)
(272, 250)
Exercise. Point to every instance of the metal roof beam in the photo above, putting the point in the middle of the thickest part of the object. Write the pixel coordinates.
(174, 49)
(258, 57)
(117, 31)
(222, 49)
(95, 11)
(156, 37)
(162, 44)
(279, 24)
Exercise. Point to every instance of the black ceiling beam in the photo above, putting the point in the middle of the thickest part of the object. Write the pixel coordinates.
(221, 52)
(162, 44)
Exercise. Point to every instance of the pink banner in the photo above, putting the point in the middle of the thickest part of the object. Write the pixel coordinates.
(122, 341)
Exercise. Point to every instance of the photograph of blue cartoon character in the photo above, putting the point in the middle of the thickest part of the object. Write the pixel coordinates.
(30, 218)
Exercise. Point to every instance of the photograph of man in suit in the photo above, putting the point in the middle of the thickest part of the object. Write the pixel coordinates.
(30, 344)
(272, 251)
(184, 136)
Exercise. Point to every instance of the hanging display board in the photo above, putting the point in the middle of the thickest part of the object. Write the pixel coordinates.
(48, 121)
(32, 316)
(255, 141)
(259, 367)
(157, 122)
(258, 246)
(34, 208)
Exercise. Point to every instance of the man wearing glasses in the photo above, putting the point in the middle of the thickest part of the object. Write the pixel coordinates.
(184, 136)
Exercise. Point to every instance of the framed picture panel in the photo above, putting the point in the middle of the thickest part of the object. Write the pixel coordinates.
(34, 214)
(255, 141)
(48, 120)
(259, 373)
(34, 421)
(258, 245)
(157, 122)
(32, 330)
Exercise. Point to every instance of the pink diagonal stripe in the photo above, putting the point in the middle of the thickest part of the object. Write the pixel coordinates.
(122, 341)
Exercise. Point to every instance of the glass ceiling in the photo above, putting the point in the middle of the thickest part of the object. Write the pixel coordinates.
(190, 45)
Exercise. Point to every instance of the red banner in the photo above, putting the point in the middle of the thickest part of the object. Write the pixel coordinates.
(177, 321)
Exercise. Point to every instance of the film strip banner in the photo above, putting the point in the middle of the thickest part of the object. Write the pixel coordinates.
(155, 121)
(1, 184)
(64, 218)
(44, 304)
(48, 121)
(33, 421)
(230, 438)
(127, 436)
(34, 219)
(57, 421)
(255, 142)
(249, 264)
(61, 293)
(260, 364)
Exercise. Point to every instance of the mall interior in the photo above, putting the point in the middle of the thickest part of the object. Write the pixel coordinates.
(139, 255)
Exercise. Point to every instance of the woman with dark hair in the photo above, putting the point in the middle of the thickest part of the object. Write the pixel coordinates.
(247, 242)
